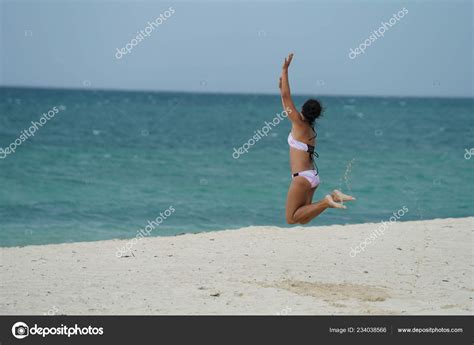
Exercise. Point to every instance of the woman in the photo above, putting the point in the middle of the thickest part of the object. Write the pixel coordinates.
(302, 141)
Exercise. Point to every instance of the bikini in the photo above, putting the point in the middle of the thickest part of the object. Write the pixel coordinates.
(311, 175)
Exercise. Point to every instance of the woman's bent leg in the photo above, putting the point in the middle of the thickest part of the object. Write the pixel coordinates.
(299, 208)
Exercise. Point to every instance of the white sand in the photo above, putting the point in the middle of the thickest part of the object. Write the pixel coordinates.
(422, 267)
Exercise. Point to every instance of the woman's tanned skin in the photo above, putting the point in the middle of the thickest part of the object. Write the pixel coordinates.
(299, 206)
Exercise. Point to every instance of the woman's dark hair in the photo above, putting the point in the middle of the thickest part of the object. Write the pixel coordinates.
(311, 110)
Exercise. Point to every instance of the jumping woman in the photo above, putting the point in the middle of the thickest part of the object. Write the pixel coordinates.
(302, 141)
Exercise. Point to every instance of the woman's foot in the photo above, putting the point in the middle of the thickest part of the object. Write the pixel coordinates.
(332, 203)
(338, 196)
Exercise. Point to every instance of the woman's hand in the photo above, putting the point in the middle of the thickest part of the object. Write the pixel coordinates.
(287, 61)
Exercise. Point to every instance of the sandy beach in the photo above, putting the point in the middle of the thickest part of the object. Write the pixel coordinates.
(415, 267)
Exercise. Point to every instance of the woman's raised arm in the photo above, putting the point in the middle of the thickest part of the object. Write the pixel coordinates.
(286, 99)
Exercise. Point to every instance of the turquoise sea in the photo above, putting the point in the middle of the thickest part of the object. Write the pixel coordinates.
(110, 161)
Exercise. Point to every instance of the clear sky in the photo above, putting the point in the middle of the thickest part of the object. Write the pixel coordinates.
(238, 46)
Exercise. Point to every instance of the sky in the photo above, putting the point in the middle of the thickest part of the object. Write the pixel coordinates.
(239, 46)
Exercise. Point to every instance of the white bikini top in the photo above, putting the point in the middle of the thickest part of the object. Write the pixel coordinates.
(298, 145)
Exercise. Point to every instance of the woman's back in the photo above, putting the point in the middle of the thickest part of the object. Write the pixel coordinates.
(301, 160)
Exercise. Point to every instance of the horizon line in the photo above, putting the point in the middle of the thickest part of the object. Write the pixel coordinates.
(86, 88)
